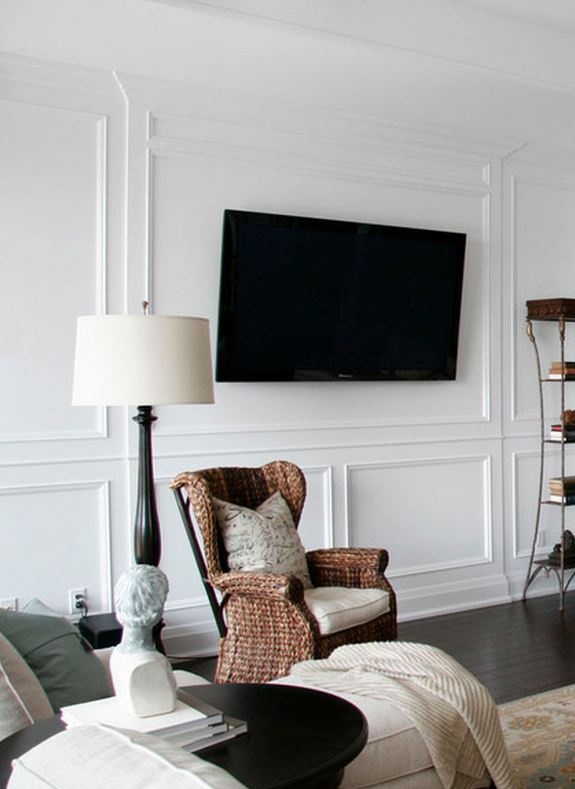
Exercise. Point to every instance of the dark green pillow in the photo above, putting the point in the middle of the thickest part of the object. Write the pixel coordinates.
(62, 660)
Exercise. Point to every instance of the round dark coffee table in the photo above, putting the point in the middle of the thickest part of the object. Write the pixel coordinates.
(297, 737)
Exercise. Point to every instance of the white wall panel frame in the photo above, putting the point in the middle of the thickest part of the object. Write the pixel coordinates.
(90, 96)
(485, 462)
(549, 525)
(100, 429)
(519, 175)
(102, 489)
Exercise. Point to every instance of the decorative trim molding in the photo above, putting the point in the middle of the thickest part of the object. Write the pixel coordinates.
(102, 487)
(447, 598)
(100, 253)
(515, 180)
(232, 107)
(326, 474)
(486, 462)
(331, 167)
(49, 74)
(516, 457)
(485, 198)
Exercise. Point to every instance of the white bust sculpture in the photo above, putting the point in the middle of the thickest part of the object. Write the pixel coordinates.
(143, 679)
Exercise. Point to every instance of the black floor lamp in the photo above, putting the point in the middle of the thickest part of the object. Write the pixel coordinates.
(135, 359)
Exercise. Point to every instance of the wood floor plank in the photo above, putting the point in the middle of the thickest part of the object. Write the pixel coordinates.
(516, 649)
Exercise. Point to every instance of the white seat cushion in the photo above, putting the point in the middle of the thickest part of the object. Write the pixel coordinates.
(337, 607)
(92, 757)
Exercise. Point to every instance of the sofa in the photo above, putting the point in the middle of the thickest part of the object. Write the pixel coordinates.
(395, 756)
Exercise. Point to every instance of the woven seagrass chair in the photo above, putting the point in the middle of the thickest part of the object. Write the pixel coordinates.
(267, 621)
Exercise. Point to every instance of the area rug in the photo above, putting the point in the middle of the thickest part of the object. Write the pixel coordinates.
(540, 735)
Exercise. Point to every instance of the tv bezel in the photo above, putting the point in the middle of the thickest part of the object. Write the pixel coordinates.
(226, 372)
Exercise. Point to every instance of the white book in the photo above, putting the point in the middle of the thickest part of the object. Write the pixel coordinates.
(188, 736)
(235, 727)
(560, 499)
(108, 711)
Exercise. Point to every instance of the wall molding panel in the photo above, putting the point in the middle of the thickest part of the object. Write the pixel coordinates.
(100, 558)
(419, 469)
(528, 273)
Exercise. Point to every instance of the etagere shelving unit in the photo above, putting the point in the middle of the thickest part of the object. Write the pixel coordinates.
(561, 311)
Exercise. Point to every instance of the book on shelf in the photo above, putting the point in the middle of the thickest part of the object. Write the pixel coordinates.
(565, 364)
(567, 499)
(558, 491)
(190, 713)
(558, 370)
(558, 376)
(559, 435)
(562, 482)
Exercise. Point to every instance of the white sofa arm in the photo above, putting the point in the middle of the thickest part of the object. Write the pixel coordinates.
(94, 756)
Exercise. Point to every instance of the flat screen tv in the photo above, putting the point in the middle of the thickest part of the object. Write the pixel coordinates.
(305, 299)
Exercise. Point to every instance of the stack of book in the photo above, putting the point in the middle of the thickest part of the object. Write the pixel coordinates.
(565, 370)
(560, 432)
(562, 490)
(193, 724)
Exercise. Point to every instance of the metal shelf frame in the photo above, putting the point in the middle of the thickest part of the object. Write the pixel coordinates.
(561, 311)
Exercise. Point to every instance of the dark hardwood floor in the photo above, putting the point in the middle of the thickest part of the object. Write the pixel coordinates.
(516, 649)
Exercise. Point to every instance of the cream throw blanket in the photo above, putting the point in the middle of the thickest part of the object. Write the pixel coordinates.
(452, 711)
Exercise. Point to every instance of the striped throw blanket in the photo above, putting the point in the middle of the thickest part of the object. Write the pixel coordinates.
(449, 707)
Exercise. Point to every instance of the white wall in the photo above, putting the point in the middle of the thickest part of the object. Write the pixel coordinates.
(127, 127)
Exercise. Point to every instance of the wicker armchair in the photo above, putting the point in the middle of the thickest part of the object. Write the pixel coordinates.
(263, 620)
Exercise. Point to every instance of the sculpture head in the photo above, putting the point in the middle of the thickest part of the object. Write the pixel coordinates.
(140, 594)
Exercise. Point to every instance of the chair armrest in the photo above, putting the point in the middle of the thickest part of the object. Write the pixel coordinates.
(359, 567)
(276, 585)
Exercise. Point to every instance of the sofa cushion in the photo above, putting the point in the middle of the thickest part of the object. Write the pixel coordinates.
(394, 747)
(62, 661)
(338, 607)
(94, 756)
(262, 540)
(22, 699)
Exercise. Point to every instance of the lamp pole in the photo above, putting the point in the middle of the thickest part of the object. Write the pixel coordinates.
(147, 537)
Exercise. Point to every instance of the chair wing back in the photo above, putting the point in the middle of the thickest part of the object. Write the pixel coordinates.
(248, 487)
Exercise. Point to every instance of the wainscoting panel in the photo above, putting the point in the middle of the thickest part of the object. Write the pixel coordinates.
(523, 471)
(432, 514)
(61, 196)
(68, 181)
(540, 249)
(186, 243)
(61, 534)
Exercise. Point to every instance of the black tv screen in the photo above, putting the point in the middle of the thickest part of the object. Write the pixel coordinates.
(305, 299)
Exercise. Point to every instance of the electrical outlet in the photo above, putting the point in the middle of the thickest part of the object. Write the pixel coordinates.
(11, 603)
(77, 600)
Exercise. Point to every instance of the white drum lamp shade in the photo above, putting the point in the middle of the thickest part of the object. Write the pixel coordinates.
(142, 360)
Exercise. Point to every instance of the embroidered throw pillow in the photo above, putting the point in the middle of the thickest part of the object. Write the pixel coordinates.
(262, 540)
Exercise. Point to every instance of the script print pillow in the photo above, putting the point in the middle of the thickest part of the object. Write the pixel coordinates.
(262, 540)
